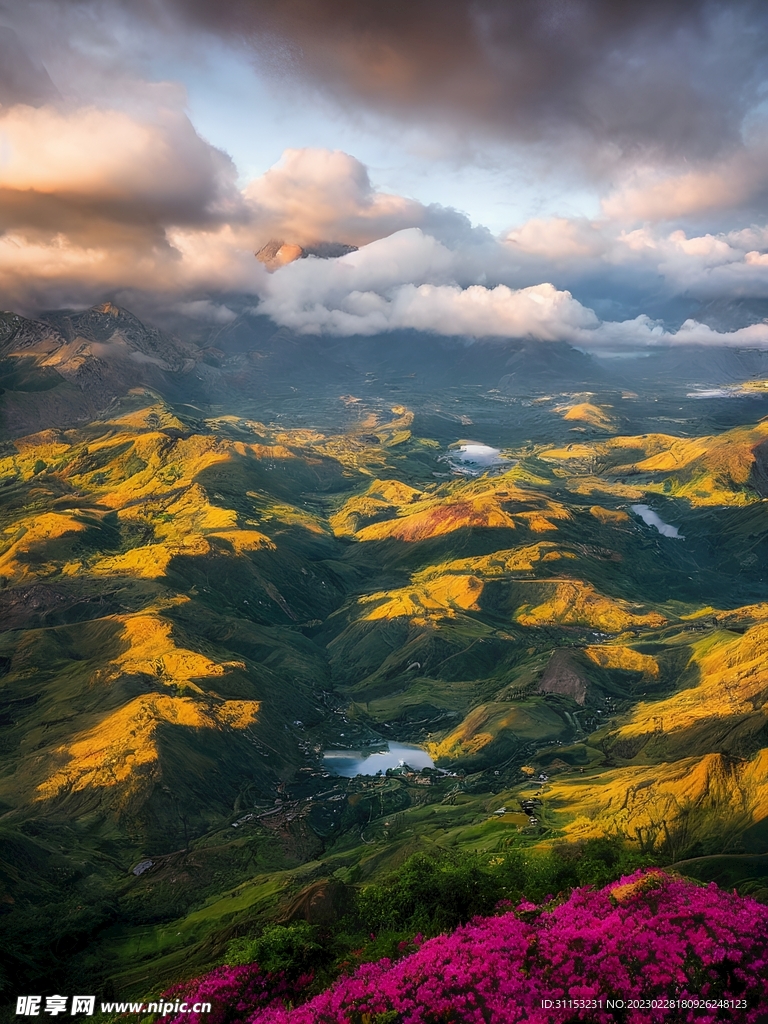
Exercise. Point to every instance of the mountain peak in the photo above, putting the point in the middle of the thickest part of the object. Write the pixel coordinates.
(109, 308)
(277, 252)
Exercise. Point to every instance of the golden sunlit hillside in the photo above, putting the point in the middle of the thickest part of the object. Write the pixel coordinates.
(716, 470)
(397, 560)
(586, 412)
(208, 614)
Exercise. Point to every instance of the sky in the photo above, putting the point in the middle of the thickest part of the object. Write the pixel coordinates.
(591, 171)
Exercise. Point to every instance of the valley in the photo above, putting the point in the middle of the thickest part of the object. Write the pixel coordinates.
(223, 557)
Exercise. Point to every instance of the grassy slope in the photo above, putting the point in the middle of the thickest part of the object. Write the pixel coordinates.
(193, 609)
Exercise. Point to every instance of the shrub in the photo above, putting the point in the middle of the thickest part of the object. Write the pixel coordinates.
(234, 993)
(649, 937)
(293, 949)
(436, 893)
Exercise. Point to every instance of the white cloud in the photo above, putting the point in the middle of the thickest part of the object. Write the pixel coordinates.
(155, 165)
(97, 201)
(409, 281)
(672, 262)
(94, 201)
(708, 266)
(314, 195)
(653, 195)
(557, 238)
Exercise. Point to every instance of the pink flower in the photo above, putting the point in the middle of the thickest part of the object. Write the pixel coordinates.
(650, 936)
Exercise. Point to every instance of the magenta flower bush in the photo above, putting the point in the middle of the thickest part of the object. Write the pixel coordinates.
(649, 949)
(234, 993)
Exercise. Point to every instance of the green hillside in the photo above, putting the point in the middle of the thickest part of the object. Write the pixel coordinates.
(197, 601)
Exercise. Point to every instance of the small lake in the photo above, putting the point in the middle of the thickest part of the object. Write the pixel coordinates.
(472, 458)
(358, 762)
(715, 393)
(652, 518)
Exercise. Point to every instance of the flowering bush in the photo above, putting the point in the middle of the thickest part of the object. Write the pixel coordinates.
(650, 937)
(234, 993)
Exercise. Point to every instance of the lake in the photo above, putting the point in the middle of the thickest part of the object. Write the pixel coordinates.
(652, 518)
(358, 762)
(472, 459)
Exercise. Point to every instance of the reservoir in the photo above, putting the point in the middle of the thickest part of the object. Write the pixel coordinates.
(650, 517)
(357, 762)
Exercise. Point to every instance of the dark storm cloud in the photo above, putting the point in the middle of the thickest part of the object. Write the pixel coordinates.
(107, 186)
(674, 78)
(22, 80)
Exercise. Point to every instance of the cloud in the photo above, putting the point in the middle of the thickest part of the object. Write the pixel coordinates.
(408, 281)
(90, 198)
(314, 195)
(207, 311)
(40, 273)
(652, 262)
(99, 202)
(95, 201)
(110, 163)
(108, 189)
(652, 194)
(22, 79)
(622, 77)
(557, 238)
(709, 266)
